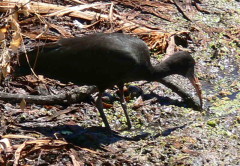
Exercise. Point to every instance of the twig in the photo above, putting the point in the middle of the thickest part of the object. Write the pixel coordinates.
(180, 8)
(75, 96)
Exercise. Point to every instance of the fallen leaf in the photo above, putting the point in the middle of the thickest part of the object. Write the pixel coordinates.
(23, 104)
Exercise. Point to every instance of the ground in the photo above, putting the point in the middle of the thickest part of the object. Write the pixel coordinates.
(166, 131)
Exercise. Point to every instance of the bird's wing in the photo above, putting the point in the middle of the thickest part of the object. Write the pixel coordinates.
(80, 64)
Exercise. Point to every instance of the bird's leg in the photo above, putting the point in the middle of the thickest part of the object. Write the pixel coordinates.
(99, 106)
(123, 104)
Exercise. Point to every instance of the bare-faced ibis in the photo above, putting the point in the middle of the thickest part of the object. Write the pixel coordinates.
(106, 60)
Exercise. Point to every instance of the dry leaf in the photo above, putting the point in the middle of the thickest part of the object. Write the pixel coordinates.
(23, 104)
(4, 61)
(14, 20)
(18, 153)
(17, 136)
(26, 7)
(5, 144)
(2, 33)
(138, 103)
(75, 159)
(16, 42)
(6, 70)
(17, 38)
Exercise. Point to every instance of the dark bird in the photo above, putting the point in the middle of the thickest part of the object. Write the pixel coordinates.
(106, 60)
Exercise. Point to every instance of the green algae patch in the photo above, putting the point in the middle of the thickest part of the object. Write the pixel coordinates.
(225, 106)
(213, 123)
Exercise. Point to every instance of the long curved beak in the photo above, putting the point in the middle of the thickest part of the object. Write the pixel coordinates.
(195, 82)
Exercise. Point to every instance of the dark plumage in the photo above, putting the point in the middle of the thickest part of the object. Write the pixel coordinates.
(106, 60)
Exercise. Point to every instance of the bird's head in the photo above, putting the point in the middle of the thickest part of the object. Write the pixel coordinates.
(182, 63)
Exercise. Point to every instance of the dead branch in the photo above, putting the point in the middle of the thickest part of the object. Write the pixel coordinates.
(75, 96)
(154, 8)
(52, 10)
(187, 14)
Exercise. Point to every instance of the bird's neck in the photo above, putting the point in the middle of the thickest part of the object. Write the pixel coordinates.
(159, 71)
